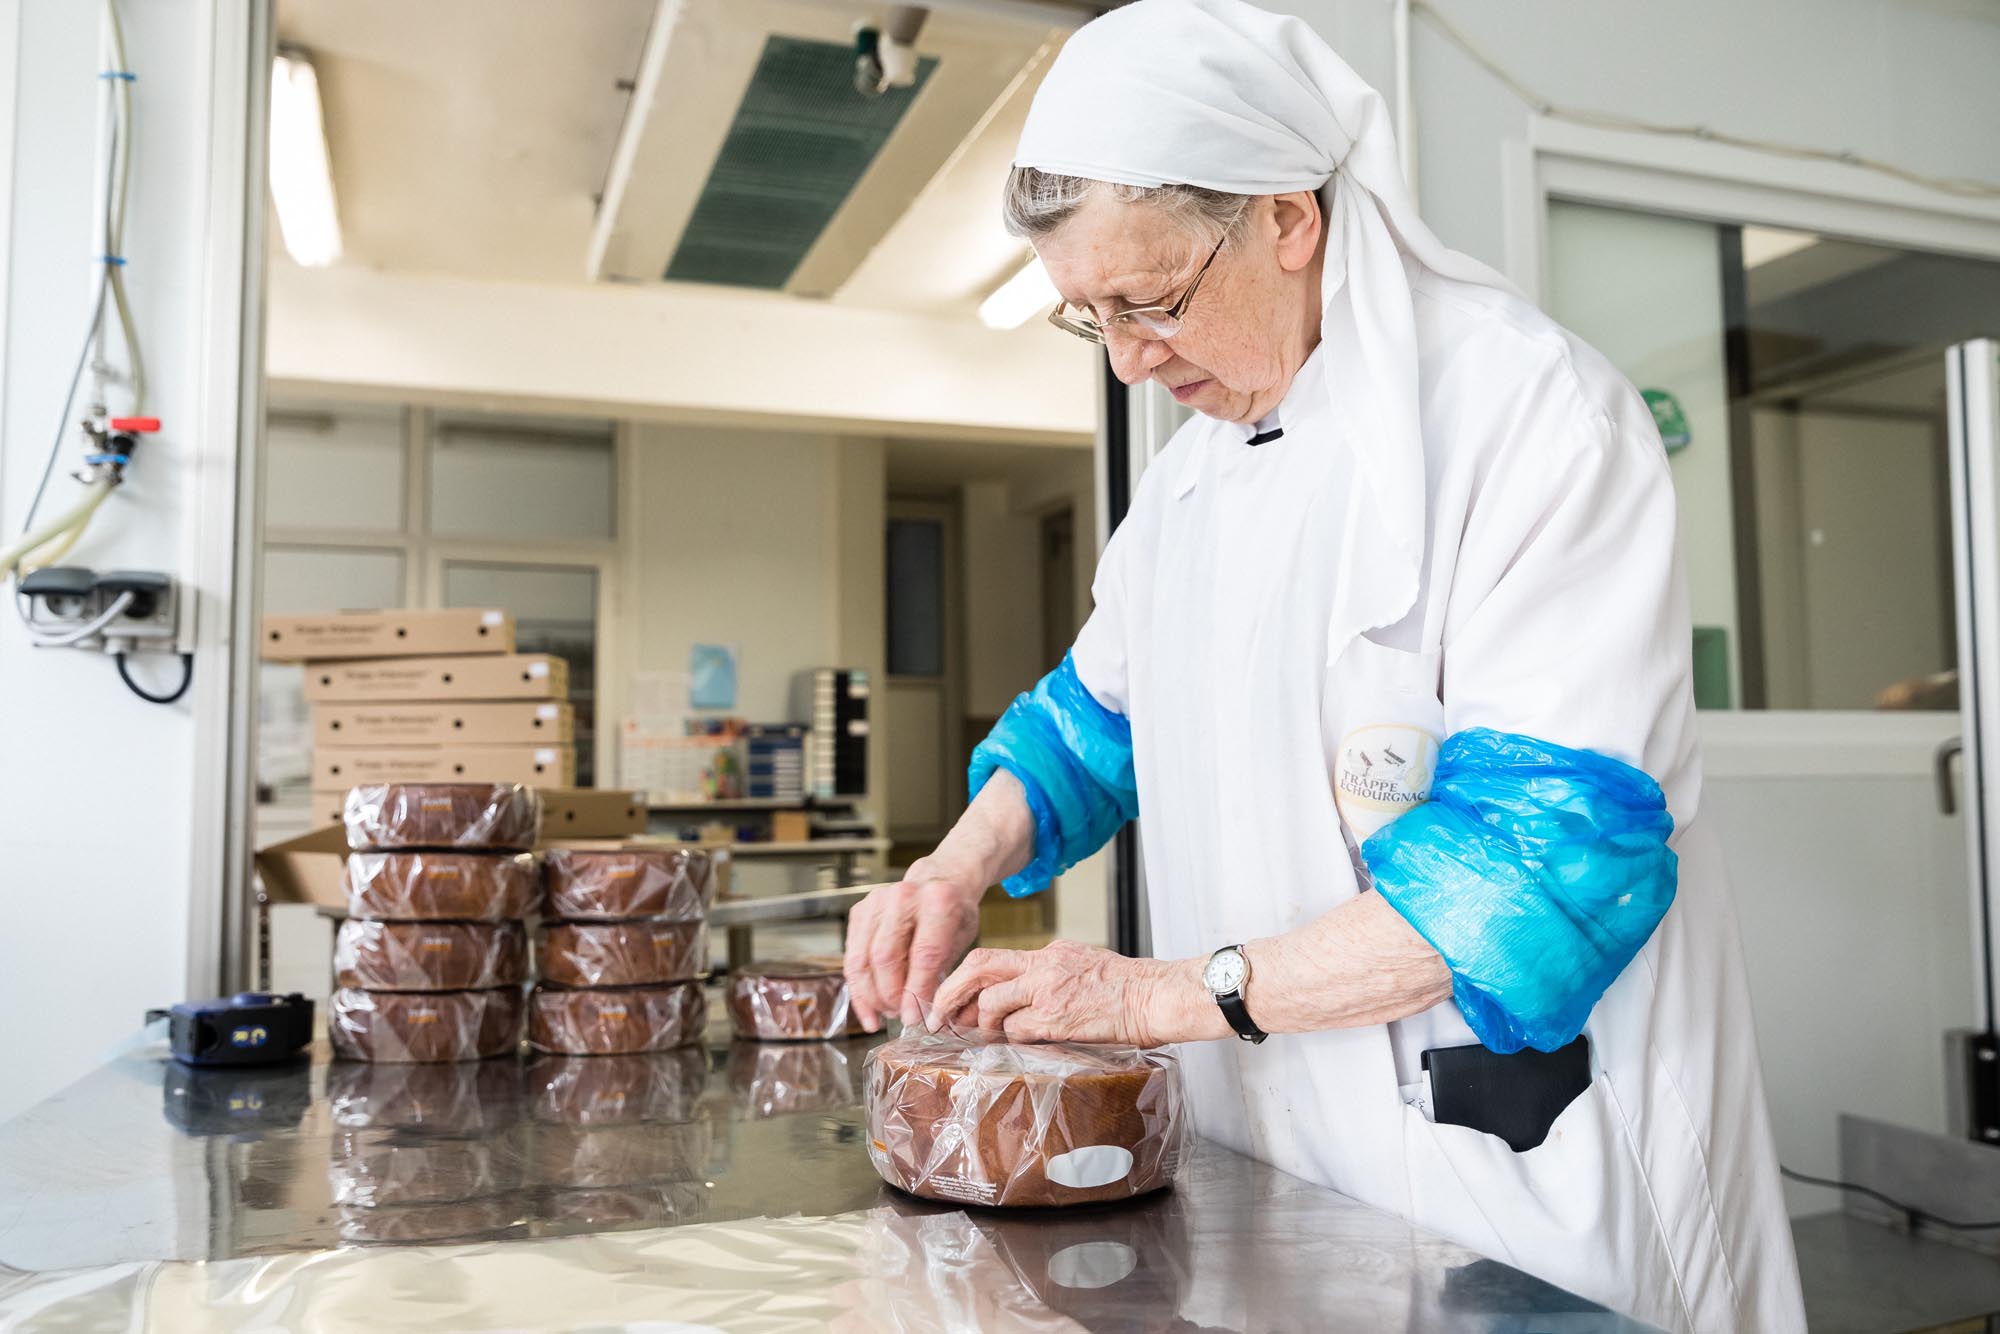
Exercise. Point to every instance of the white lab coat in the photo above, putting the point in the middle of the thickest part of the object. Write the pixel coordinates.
(1249, 620)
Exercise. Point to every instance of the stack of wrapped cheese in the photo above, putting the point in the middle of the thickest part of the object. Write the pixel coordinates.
(431, 960)
(623, 951)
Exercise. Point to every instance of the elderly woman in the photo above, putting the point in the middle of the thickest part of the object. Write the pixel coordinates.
(1392, 653)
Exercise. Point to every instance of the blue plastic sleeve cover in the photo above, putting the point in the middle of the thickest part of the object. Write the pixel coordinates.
(1537, 872)
(1074, 757)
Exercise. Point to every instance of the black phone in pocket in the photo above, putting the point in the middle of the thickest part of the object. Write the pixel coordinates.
(1517, 1096)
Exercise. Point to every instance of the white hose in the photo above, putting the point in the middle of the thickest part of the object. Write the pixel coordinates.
(11, 557)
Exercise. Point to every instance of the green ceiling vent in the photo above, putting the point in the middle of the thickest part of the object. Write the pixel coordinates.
(799, 144)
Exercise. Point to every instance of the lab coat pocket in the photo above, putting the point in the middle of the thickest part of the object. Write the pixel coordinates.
(1382, 721)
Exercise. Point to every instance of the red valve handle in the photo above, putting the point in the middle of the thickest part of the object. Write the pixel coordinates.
(136, 425)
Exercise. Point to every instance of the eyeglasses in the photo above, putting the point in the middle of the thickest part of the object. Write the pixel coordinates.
(1148, 322)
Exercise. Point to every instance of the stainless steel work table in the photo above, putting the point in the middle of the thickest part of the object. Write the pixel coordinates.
(723, 1188)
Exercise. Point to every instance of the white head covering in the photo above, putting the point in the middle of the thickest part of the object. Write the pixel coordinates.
(1226, 96)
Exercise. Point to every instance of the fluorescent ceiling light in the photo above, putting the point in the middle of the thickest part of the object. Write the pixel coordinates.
(1018, 298)
(301, 172)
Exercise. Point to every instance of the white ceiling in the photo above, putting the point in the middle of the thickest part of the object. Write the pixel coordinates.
(471, 137)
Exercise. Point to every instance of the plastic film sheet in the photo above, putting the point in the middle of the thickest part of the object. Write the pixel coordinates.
(628, 1155)
(621, 954)
(496, 816)
(977, 1119)
(609, 1021)
(424, 1025)
(431, 886)
(455, 1099)
(430, 956)
(372, 1168)
(799, 999)
(672, 884)
(617, 1090)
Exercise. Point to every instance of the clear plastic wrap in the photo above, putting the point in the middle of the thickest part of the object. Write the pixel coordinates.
(617, 1090)
(790, 1001)
(669, 884)
(494, 816)
(442, 886)
(621, 954)
(471, 1099)
(424, 1025)
(786, 1080)
(430, 956)
(959, 1117)
(419, 1224)
(605, 1021)
(1537, 871)
(373, 1168)
(1074, 759)
(627, 1155)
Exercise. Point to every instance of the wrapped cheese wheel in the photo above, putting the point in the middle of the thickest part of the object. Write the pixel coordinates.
(791, 1001)
(493, 816)
(997, 1123)
(785, 1080)
(371, 1168)
(669, 884)
(472, 1099)
(621, 954)
(608, 1021)
(627, 1206)
(432, 886)
(424, 1025)
(430, 956)
(618, 1090)
(459, 1220)
(626, 1155)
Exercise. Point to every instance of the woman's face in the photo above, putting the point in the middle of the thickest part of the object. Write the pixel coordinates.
(1249, 327)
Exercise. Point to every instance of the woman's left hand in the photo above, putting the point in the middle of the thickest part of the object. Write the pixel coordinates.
(1078, 993)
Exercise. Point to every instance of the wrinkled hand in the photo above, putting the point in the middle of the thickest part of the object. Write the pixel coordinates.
(902, 938)
(1077, 993)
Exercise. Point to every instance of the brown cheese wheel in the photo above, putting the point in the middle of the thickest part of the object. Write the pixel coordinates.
(674, 884)
(472, 1099)
(627, 1155)
(621, 954)
(608, 1021)
(1009, 1125)
(430, 956)
(784, 1081)
(375, 1167)
(792, 1001)
(618, 1090)
(429, 886)
(493, 816)
(424, 1025)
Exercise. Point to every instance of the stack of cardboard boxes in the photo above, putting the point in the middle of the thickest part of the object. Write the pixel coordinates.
(426, 697)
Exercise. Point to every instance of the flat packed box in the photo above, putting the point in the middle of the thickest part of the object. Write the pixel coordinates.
(496, 676)
(589, 812)
(486, 723)
(531, 765)
(401, 633)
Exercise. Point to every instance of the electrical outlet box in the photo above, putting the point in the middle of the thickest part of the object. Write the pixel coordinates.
(122, 611)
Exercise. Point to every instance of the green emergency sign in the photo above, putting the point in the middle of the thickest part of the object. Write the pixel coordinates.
(1667, 415)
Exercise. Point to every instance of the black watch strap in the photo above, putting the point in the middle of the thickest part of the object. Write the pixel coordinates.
(1238, 1015)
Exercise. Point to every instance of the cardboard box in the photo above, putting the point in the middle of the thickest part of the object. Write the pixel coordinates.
(514, 723)
(327, 806)
(401, 633)
(495, 676)
(532, 765)
(791, 827)
(589, 812)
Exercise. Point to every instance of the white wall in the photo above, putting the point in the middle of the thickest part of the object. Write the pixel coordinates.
(1003, 601)
(98, 789)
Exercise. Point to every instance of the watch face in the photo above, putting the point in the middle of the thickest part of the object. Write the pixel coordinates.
(1225, 972)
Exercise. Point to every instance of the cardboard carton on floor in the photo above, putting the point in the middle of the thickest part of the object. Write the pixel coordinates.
(482, 723)
(401, 633)
(540, 676)
(532, 765)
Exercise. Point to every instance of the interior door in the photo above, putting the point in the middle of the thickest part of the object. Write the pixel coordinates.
(1972, 387)
(925, 680)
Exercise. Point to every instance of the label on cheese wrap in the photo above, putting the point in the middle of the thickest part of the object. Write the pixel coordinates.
(1096, 1165)
(1092, 1264)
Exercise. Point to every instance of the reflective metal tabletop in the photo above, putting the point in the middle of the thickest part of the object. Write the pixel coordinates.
(720, 1188)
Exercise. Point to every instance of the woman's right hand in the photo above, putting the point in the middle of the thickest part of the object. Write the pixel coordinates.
(903, 938)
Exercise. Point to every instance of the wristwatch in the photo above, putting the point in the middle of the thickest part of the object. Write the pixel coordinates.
(1225, 975)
